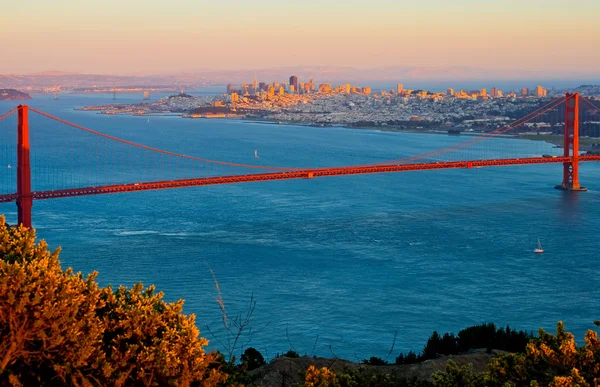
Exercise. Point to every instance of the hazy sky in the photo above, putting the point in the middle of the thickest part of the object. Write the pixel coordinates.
(158, 36)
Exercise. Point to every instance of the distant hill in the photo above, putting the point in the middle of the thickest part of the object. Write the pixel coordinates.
(13, 95)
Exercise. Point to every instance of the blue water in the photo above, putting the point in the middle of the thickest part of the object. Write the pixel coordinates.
(348, 259)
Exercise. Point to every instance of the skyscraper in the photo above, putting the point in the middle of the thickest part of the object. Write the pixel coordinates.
(400, 89)
(294, 82)
(524, 92)
(483, 92)
(539, 91)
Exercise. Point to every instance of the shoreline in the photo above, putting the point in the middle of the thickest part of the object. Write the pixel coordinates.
(556, 140)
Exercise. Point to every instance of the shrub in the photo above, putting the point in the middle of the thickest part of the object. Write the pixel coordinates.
(58, 328)
(376, 361)
(291, 353)
(252, 358)
(549, 360)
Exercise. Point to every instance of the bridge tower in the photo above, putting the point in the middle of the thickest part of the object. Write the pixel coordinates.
(24, 198)
(571, 141)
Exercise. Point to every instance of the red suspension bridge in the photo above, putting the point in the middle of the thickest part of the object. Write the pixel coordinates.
(116, 165)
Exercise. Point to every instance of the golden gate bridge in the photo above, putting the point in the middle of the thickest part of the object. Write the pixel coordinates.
(115, 165)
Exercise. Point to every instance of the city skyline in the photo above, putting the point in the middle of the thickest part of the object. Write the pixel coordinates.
(186, 36)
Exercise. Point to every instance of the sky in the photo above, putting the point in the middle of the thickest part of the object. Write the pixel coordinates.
(129, 37)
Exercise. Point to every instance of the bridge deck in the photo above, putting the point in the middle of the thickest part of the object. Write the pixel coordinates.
(298, 174)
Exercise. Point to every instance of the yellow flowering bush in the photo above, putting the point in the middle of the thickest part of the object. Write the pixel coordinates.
(57, 327)
(320, 377)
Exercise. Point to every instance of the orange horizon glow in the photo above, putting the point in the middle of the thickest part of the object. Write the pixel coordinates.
(146, 37)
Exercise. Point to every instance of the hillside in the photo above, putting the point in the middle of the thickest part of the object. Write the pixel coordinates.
(13, 95)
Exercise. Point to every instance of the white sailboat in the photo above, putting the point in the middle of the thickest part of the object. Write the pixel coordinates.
(539, 249)
(256, 153)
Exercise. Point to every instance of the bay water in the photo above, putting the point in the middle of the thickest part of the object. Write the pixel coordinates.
(336, 265)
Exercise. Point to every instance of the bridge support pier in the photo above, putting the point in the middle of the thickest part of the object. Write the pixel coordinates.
(24, 198)
(571, 141)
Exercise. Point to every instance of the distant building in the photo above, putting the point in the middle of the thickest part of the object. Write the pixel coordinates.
(366, 90)
(524, 92)
(324, 88)
(146, 95)
(294, 82)
(399, 88)
(347, 88)
(483, 93)
(540, 92)
(450, 92)
(292, 89)
(229, 88)
(311, 85)
(494, 92)
(262, 86)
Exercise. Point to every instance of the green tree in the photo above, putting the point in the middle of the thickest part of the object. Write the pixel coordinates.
(252, 358)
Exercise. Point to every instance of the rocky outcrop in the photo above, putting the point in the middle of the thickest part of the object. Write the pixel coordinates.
(288, 372)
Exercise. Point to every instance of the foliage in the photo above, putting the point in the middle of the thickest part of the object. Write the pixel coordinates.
(252, 358)
(410, 358)
(58, 328)
(477, 336)
(458, 376)
(291, 354)
(237, 375)
(549, 360)
(358, 377)
(376, 361)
